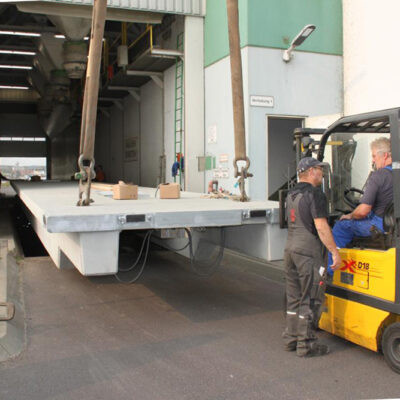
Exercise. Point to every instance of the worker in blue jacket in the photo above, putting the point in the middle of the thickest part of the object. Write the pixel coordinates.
(378, 194)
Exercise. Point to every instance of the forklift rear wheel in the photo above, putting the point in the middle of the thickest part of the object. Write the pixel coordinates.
(391, 346)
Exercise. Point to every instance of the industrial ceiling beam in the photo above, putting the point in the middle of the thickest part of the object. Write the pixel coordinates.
(116, 102)
(132, 72)
(133, 91)
(166, 53)
(83, 11)
(158, 81)
(105, 112)
(28, 28)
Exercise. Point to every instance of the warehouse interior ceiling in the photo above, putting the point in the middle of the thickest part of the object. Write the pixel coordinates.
(33, 56)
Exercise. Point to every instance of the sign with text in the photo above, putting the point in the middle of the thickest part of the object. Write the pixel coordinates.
(212, 134)
(262, 101)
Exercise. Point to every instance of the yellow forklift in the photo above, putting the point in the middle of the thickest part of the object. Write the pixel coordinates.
(362, 298)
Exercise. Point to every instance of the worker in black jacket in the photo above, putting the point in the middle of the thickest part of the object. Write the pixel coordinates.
(308, 232)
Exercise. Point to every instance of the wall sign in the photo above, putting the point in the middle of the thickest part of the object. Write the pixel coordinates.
(223, 158)
(262, 101)
(212, 134)
(221, 173)
(131, 148)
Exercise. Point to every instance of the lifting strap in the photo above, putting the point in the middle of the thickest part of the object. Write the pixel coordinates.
(237, 97)
(90, 98)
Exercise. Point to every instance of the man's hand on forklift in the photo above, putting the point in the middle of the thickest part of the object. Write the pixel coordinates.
(337, 261)
(346, 216)
(325, 234)
(360, 212)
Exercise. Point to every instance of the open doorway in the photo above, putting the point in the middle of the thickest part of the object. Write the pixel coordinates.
(281, 155)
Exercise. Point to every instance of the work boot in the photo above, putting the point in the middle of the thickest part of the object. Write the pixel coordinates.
(313, 350)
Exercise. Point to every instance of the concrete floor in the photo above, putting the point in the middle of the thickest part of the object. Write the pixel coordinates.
(175, 336)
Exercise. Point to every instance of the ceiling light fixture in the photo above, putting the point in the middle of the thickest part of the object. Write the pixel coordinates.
(17, 33)
(14, 87)
(63, 37)
(3, 66)
(18, 52)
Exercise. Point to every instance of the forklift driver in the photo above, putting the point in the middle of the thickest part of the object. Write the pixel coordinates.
(378, 194)
(308, 232)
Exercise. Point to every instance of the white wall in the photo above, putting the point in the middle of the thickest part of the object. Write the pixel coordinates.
(219, 117)
(169, 120)
(111, 134)
(143, 120)
(194, 102)
(371, 57)
(151, 125)
(102, 154)
(116, 172)
(131, 167)
(311, 84)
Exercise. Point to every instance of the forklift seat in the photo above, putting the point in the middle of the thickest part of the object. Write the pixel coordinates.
(378, 240)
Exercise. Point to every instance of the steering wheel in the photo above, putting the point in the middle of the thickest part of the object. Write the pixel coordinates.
(349, 199)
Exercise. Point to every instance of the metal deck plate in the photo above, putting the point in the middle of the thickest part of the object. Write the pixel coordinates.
(54, 203)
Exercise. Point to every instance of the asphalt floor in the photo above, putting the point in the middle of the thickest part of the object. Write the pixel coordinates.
(174, 335)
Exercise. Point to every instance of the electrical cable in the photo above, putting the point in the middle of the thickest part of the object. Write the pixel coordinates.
(141, 269)
(140, 254)
(155, 194)
(199, 267)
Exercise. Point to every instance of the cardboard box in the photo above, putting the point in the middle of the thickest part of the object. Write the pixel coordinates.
(170, 191)
(125, 191)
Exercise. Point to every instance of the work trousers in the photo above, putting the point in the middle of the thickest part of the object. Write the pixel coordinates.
(345, 230)
(302, 283)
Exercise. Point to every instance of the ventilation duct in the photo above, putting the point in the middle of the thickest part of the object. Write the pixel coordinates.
(45, 103)
(75, 49)
(59, 86)
(55, 92)
(59, 119)
(75, 58)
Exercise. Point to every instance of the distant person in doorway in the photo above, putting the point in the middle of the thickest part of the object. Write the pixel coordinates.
(100, 175)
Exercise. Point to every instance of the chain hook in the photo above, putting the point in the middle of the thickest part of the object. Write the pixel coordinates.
(85, 175)
(242, 174)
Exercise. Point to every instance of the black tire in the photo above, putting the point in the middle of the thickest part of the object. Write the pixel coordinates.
(391, 346)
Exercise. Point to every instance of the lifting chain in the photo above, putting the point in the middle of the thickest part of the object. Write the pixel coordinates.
(237, 96)
(85, 175)
(243, 174)
(90, 98)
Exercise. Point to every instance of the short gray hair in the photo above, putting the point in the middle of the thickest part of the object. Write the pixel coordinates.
(381, 145)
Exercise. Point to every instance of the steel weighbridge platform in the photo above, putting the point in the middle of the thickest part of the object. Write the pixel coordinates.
(89, 236)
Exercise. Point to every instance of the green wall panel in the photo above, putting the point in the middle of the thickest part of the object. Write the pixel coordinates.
(216, 41)
(274, 23)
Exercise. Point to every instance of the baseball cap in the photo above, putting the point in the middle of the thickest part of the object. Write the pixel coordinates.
(308, 162)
